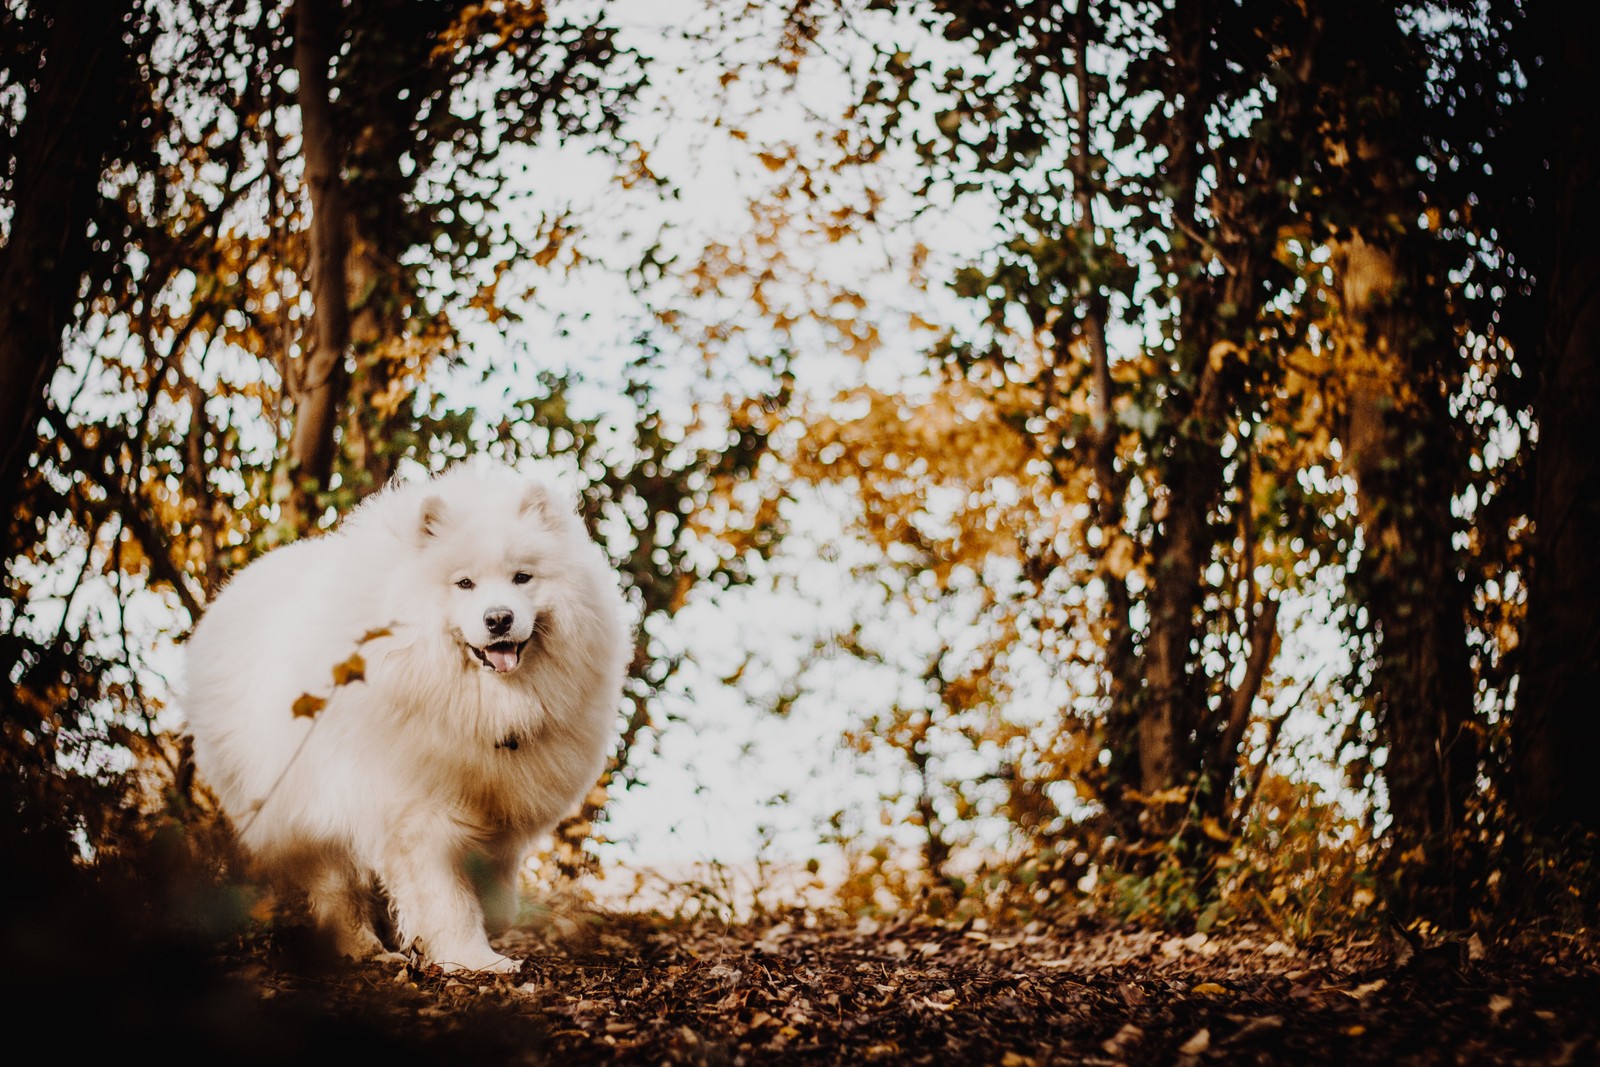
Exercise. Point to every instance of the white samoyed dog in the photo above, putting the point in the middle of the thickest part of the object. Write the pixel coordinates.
(490, 646)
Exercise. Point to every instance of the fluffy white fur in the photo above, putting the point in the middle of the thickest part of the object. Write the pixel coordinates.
(485, 714)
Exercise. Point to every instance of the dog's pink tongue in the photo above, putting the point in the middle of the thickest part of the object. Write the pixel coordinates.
(501, 659)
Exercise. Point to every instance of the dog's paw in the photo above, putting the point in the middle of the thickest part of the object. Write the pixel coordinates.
(503, 965)
(359, 944)
(491, 962)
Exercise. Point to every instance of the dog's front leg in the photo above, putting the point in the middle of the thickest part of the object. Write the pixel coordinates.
(341, 907)
(435, 905)
(496, 872)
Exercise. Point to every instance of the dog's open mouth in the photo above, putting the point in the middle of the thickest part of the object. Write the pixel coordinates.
(500, 657)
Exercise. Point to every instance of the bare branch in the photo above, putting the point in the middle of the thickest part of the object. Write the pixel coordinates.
(132, 512)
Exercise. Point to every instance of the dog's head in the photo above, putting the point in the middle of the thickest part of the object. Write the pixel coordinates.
(494, 552)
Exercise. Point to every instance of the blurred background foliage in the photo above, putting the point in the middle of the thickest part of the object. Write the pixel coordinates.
(1217, 513)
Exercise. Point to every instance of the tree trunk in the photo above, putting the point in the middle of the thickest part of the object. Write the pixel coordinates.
(1174, 593)
(1173, 713)
(73, 124)
(1412, 590)
(1556, 728)
(1120, 678)
(1179, 547)
(320, 382)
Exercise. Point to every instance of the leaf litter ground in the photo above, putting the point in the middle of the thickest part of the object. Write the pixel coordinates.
(623, 988)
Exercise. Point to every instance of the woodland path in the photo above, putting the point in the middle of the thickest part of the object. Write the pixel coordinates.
(617, 988)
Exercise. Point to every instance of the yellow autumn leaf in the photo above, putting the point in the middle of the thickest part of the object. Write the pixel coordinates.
(1119, 557)
(307, 706)
(1221, 351)
(1211, 989)
(353, 669)
(546, 255)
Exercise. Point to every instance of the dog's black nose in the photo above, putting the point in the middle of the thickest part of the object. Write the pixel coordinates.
(497, 620)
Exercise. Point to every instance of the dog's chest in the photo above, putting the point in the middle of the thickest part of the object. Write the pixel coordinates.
(526, 777)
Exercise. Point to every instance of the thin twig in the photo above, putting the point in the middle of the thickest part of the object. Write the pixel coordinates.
(1274, 728)
(150, 730)
(150, 538)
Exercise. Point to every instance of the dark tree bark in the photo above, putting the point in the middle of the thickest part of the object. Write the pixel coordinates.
(1556, 728)
(1396, 349)
(76, 117)
(1409, 579)
(1121, 682)
(322, 378)
(1174, 722)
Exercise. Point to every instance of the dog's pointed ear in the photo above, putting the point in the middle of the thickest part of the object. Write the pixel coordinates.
(430, 518)
(536, 503)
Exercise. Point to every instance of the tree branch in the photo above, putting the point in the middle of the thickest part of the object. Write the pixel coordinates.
(319, 387)
(1263, 645)
(132, 512)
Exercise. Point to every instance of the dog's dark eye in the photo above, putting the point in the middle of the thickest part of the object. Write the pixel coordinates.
(522, 578)
(466, 583)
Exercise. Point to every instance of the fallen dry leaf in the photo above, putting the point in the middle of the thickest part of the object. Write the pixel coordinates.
(618, 989)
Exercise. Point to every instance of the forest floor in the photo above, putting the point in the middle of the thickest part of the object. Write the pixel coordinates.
(620, 988)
